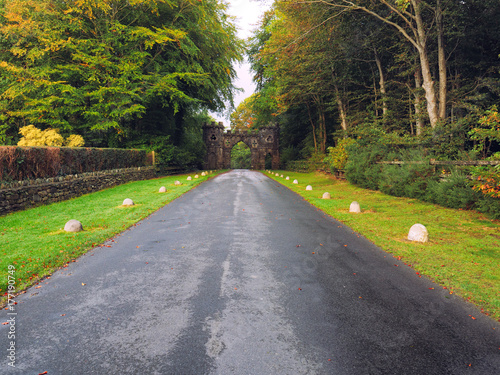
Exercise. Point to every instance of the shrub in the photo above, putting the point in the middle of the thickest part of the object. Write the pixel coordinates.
(22, 163)
(361, 168)
(338, 155)
(421, 180)
(453, 192)
(75, 140)
(314, 163)
(32, 136)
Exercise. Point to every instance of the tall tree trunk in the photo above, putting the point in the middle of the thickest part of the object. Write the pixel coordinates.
(382, 84)
(313, 126)
(375, 94)
(442, 61)
(428, 85)
(414, 25)
(342, 109)
(418, 101)
(322, 127)
(322, 123)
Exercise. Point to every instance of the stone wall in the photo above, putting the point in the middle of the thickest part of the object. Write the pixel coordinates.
(25, 194)
(262, 142)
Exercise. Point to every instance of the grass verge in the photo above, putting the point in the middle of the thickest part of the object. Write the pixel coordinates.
(34, 243)
(463, 251)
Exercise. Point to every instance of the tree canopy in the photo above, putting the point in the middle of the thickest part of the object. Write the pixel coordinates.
(118, 72)
(407, 70)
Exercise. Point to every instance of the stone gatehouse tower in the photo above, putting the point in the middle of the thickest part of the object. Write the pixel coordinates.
(262, 142)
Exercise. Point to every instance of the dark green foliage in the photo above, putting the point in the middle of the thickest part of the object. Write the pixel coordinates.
(407, 180)
(287, 155)
(452, 191)
(122, 74)
(240, 156)
(419, 180)
(361, 168)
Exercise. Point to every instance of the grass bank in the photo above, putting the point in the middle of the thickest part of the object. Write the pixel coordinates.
(33, 243)
(463, 251)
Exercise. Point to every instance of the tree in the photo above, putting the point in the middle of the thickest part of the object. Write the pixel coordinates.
(33, 136)
(100, 66)
(408, 17)
(243, 117)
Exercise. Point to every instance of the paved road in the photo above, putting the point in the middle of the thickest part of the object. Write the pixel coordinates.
(241, 276)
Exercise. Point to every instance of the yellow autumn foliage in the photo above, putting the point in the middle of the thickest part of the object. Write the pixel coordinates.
(32, 136)
(75, 140)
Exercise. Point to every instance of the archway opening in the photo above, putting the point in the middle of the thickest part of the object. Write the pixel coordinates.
(241, 156)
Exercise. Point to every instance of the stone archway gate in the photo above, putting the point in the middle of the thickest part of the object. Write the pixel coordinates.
(219, 145)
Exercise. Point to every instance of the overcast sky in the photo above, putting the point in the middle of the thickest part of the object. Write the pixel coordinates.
(248, 13)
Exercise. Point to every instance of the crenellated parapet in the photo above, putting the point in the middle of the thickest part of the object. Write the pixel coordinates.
(262, 142)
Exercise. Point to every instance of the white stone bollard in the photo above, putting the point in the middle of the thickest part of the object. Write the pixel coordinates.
(281, 176)
(287, 178)
(418, 233)
(163, 189)
(327, 195)
(203, 174)
(196, 176)
(128, 202)
(177, 183)
(189, 178)
(309, 187)
(295, 181)
(73, 226)
(355, 207)
(277, 174)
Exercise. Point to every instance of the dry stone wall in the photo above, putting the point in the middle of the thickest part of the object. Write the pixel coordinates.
(25, 194)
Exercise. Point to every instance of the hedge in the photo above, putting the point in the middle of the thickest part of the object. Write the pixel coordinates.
(422, 181)
(27, 163)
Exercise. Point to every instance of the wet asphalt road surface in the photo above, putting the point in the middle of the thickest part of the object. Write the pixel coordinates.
(242, 276)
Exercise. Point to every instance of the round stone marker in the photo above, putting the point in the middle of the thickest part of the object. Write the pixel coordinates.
(196, 176)
(277, 174)
(203, 174)
(355, 207)
(418, 233)
(189, 178)
(327, 195)
(163, 189)
(309, 187)
(295, 181)
(177, 183)
(281, 176)
(287, 178)
(73, 226)
(128, 202)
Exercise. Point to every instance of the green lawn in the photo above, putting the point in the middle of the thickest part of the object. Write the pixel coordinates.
(34, 242)
(462, 254)
(463, 251)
